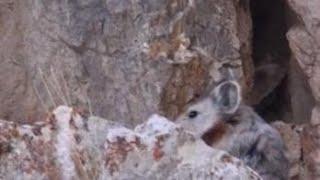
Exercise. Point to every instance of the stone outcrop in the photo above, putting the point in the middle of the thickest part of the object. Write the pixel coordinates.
(68, 146)
(304, 41)
(291, 135)
(302, 149)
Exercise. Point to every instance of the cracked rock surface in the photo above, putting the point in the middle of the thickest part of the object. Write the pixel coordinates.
(123, 58)
(127, 59)
(68, 146)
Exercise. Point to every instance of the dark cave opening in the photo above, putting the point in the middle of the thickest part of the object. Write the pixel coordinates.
(270, 47)
(269, 32)
(280, 88)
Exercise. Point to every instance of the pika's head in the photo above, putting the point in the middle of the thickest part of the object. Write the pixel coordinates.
(201, 116)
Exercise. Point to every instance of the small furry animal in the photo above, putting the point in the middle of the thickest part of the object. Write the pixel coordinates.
(223, 122)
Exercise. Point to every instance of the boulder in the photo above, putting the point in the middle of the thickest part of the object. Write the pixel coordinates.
(68, 146)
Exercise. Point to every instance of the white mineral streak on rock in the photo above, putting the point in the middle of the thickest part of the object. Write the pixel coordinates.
(65, 142)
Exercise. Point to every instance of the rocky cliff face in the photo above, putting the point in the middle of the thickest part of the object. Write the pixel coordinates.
(304, 41)
(127, 59)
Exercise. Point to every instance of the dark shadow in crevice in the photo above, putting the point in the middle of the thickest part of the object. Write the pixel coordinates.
(277, 104)
(269, 32)
(281, 92)
(270, 46)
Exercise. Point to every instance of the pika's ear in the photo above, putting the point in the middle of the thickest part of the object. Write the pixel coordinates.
(227, 97)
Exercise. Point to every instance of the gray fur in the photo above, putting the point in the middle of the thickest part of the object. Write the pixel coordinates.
(238, 130)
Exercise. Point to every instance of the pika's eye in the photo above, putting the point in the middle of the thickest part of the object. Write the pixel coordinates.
(193, 114)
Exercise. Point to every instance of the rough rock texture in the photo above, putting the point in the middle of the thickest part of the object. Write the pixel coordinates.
(302, 143)
(125, 59)
(68, 146)
(291, 135)
(63, 146)
(310, 143)
(304, 41)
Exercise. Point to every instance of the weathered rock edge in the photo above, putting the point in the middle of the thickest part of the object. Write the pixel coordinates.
(68, 146)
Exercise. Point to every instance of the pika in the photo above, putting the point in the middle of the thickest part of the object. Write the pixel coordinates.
(225, 123)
